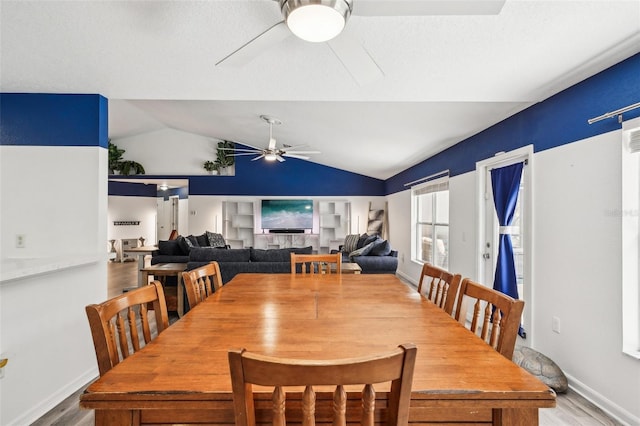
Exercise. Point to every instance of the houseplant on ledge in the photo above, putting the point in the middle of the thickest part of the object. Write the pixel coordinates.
(211, 167)
(224, 155)
(125, 167)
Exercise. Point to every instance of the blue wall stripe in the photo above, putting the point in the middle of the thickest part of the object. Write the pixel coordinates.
(130, 189)
(40, 119)
(558, 120)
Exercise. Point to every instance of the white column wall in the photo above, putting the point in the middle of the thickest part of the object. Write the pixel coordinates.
(43, 327)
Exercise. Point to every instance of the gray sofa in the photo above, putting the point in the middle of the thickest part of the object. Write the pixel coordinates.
(236, 261)
(373, 254)
(177, 251)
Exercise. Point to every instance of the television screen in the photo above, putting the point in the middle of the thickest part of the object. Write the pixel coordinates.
(287, 214)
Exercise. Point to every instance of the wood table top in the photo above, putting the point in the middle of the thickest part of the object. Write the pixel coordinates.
(316, 317)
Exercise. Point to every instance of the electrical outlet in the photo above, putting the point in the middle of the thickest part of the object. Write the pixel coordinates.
(555, 324)
(21, 241)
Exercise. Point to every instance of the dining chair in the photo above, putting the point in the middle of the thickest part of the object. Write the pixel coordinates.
(496, 316)
(442, 285)
(113, 340)
(312, 263)
(201, 282)
(248, 369)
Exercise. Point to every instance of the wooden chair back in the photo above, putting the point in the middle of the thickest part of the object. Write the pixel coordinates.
(496, 316)
(249, 369)
(312, 263)
(201, 282)
(441, 286)
(121, 326)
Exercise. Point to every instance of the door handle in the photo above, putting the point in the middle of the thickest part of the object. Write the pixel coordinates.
(486, 256)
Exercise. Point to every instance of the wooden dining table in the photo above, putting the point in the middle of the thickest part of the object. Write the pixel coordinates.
(182, 376)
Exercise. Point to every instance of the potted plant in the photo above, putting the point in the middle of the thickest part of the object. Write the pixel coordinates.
(224, 155)
(211, 167)
(125, 167)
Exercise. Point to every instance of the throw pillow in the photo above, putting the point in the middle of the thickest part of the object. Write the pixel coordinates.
(202, 240)
(350, 243)
(362, 251)
(380, 248)
(169, 248)
(216, 240)
(193, 240)
(185, 244)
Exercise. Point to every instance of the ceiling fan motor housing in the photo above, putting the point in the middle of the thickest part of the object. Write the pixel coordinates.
(316, 20)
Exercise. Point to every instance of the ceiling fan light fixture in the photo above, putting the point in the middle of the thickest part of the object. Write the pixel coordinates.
(270, 156)
(316, 20)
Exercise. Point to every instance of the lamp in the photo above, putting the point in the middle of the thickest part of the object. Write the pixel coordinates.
(270, 156)
(316, 20)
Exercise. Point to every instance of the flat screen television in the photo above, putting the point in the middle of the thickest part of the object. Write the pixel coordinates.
(287, 215)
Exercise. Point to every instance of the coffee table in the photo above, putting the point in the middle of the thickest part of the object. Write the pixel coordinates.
(347, 268)
(168, 270)
(141, 251)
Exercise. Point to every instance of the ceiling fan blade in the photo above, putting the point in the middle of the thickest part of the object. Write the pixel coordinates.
(426, 7)
(254, 47)
(247, 153)
(302, 152)
(355, 59)
(258, 157)
(242, 149)
(301, 157)
(279, 158)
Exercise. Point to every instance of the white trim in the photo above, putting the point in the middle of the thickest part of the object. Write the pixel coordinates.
(56, 398)
(609, 407)
(500, 160)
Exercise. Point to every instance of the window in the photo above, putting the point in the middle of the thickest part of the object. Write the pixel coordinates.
(630, 219)
(430, 217)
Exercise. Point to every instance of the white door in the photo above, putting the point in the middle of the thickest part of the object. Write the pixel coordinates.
(520, 227)
(168, 216)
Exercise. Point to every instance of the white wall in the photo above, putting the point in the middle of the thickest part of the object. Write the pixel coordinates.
(576, 265)
(143, 209)
(577, 271)
(150, 150)
(43, 326)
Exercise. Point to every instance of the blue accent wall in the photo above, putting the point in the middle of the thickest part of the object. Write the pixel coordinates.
(292, 177)
(39, 119)
(130, 189)
(558, 120)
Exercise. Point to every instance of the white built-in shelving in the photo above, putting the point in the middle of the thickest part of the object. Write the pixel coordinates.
(238, 223)
(335, 224)
(278, 241)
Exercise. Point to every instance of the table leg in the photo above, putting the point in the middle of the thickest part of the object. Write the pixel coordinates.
(180, 291)
(515, 416)
(117, 417)
(141, 281)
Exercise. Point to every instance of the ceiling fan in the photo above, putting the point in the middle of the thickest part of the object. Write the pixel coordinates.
(324, 20)
(272, 152)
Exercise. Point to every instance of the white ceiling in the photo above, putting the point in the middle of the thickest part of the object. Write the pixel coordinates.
(444, 77)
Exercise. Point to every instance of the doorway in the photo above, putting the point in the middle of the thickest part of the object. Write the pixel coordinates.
(520, 228)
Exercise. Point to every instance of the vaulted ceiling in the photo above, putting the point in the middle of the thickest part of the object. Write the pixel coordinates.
(441, 78)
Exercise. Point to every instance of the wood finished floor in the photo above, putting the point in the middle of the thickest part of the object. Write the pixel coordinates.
(571, 410)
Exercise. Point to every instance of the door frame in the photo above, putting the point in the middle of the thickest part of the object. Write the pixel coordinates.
(502, 159)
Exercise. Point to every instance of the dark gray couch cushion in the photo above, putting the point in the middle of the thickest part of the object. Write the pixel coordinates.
(169, 248)
(208, 254)
(380, 248)
(185, 244)
(277, 255)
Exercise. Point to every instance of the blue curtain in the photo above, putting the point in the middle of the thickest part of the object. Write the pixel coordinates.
(506, 185)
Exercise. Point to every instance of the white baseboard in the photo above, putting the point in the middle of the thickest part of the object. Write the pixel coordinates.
(56, 398)
(407, 278)
(611, 408)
